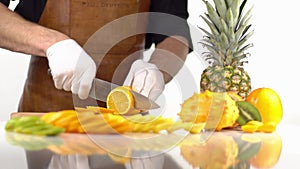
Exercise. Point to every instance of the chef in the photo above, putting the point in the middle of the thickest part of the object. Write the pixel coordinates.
(57, 33)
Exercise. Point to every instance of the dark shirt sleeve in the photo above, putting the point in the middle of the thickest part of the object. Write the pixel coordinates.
(5, 2)
(31, 9)
(167, 18)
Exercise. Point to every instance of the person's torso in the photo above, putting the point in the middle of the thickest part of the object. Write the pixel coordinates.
(86, 21)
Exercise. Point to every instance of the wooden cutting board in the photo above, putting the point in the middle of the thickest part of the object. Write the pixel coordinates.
(20, 114)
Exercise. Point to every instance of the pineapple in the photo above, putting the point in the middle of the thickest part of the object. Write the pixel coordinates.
(226, 45)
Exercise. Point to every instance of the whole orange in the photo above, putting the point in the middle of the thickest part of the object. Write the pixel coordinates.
(268, 102)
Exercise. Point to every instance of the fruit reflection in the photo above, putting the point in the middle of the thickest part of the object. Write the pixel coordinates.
(76, 144)
(220, 151)
(232, 150)
(269, 152)
(32, 142)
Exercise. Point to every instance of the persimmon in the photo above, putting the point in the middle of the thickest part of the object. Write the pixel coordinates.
(268, 102)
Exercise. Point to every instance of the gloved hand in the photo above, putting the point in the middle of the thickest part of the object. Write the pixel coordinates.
(71, 67)
(146, 79)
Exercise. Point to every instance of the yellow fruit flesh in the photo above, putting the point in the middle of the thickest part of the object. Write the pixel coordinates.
(92, 120)
(256, 126)
(235, 96)
(206, 108)
(248, 128)
(267, 127)
(121, 100)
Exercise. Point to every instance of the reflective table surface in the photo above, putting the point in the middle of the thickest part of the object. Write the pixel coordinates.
(211, 150)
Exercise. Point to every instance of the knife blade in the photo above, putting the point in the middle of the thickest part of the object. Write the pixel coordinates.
(101, 88)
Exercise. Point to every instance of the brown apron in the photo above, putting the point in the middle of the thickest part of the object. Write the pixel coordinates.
(80, 19)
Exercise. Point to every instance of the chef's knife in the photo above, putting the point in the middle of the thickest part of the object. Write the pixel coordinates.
(101, 88)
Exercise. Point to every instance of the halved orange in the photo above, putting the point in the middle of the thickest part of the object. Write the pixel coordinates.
(121, 100)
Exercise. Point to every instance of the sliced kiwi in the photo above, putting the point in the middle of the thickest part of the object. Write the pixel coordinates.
(247, 112)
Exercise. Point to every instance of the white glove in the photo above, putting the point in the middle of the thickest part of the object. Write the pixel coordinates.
(146, 79)
(75, 161)
(71, 67)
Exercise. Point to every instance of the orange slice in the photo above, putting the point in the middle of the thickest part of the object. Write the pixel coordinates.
(121, 100)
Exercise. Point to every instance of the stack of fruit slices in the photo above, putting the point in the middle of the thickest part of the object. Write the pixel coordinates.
(196, 114)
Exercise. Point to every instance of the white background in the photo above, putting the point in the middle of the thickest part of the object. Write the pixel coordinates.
(273, 62)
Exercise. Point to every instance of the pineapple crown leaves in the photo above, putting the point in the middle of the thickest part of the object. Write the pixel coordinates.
(229, 32)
